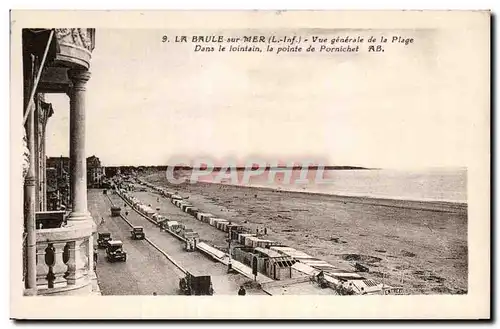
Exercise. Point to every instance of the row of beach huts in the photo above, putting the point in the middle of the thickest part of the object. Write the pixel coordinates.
(275, 260)
(178, 229)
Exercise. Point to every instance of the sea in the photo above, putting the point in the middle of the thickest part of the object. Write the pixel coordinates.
(443, 185)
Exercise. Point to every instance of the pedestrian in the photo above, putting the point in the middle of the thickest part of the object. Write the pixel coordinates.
(242, 291)
(95, 259)
(154, 293)
(126, 213)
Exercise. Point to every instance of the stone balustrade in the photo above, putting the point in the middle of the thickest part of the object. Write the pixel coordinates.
(64, 259)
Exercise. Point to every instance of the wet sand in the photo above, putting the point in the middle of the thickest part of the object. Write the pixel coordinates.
(417, 245)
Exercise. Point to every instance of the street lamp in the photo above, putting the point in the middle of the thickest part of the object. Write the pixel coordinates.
(229, 265)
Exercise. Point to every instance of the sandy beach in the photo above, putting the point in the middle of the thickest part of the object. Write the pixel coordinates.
(420, 246)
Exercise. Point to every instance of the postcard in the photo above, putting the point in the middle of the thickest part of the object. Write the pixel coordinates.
(250, 164)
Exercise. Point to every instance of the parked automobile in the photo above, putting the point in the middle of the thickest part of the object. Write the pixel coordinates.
(102, 240)
(137, 233)
(196, 285)
(115, 252)
(115, 211)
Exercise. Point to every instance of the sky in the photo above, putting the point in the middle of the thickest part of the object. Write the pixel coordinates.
(150, 102)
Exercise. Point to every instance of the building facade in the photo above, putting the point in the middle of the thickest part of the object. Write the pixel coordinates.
(58, 183)
(95, 172)
(57, 257)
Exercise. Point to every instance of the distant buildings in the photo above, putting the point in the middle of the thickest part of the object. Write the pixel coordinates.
(58, 183)
(95, 172)
(58, 180)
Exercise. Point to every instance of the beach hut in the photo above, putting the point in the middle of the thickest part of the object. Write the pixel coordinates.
(206, 218)
(256, 242)
(234, 235)
(249, 241)
(223, 226)
(214, 221)
(185, 206)
(264, 243)
(226, 227)
(201, 215)
(241, 236)
(369, 287)
(234, 230)
(221, 223)
(280, 268)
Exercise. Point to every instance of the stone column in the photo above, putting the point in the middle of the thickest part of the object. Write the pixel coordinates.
(29, 207)
(36, 134)
(44, 169)
(78, 162)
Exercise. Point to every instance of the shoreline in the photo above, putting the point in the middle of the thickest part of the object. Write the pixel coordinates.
(430, 205)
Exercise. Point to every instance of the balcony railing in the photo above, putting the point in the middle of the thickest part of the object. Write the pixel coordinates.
(63, 262)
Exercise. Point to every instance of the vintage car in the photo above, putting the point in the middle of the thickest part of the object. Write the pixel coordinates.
(115, 211)
(196, 285)
(103, 239)
(137, 233)
(115, 252)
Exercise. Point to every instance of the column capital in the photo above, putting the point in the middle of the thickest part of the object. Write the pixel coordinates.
(79, 77)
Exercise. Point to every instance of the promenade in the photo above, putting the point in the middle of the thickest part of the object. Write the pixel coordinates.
(147, 270)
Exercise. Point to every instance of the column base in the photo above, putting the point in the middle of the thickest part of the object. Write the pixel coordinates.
(79, 216)
(30, 292)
